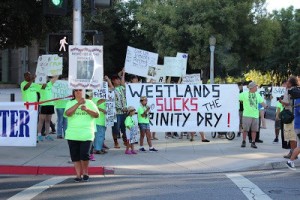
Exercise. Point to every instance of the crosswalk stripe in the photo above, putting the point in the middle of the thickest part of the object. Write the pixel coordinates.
(36, 189)
(250, 190)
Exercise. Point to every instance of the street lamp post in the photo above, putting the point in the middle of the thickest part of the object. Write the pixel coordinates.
(212, 43)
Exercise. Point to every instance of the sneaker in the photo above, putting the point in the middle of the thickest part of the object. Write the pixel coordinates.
(243, 144)
(153, 150)
(253, 145)
(134, 152)
(40, 138)
(290, 165)
(259, 141)
(128, 152)
(288, 156)
(49, 138)
(275, 141)
(92, 157)
(206, 140)
(86, 178)
(77, 180)
(142, 149)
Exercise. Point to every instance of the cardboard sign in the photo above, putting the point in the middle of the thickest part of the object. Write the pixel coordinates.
(103, 92)
(186, 107)
(61, 89)
(192, 78)
(110, 108)
(85, 67)
(140, 62)
(41, 70)
(48, 65)
(18, 125)
(174, 66)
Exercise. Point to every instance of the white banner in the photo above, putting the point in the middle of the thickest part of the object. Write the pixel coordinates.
(183, 107)
(61, 89)
(140, 62)
(174, 66)
(110, 108)
(85, 67)
(192, 78)
(103, 92)
(18, 125)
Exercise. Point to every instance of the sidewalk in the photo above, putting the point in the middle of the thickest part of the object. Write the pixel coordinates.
(174, 156)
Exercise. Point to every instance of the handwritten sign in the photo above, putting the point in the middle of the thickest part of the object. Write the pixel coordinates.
(18, 125)
(55, 65)
(159, 75)
(192, 78)
(140, 62)
(103, 92)
(186, 107)
(61, 89)
(41, 70)
(183, 57)
(110, 108)
(85, 67)
(173, 66)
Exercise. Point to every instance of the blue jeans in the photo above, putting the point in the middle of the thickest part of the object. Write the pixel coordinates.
(119, 125)
(99, 137)
(61, 122)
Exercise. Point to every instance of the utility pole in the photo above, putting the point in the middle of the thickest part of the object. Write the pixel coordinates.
(77, 22)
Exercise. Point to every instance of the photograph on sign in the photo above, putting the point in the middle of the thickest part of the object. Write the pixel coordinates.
(140, 62)
(85, 66)
(159, 74)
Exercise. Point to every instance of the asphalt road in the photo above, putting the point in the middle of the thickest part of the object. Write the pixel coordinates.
(283, 184)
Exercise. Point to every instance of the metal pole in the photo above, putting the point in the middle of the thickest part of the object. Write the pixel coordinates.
(212, 51)
(77, 22)
(12, 97)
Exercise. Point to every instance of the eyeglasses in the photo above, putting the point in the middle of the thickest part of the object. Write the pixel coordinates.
(78, 90)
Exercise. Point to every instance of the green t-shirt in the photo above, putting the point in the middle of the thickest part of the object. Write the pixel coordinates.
(101, 120)
(46, 94)
(250, 103)
(81, 125)
(129, 122)
(61, 103)
(142, 120)
(30, 95)
(280, 106)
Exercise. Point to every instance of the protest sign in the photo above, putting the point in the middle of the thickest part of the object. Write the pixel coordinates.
(110, 108)
(18, 125)
(184, 59)
(48, 65)
(101, 93)
(41, 70)
(174, 66)
(277, 92)
(187, 107)
(140, 62)
(192, 78)
(85, 67)
(61, 89)
(159, 75)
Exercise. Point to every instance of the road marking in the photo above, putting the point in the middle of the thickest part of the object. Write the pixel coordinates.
(35, 190)
(250, 190)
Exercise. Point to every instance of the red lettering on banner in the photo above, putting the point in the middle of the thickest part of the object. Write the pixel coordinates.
(158, 103)
(175, 108)
(170, 103)
(195, 104)
(176, 104)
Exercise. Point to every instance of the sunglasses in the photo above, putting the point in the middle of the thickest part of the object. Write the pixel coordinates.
(78, 90)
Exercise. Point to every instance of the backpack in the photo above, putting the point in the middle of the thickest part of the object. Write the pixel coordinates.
(286, 116)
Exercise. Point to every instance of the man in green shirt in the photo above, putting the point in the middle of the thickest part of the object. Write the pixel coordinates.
(251, 99)
(29, 89)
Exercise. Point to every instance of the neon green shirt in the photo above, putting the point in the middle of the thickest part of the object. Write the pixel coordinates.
(129, 122)
(280, 106)
(61, 103)
(250, 103)
(101, 120)
(30, 95)
(142, 120)
(81, 125)
(46, 94)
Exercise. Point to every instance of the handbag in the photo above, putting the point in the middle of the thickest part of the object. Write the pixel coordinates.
(286, 116)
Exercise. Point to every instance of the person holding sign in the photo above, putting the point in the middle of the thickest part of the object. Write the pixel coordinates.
(29, 89)
(250, 100)
(81, 114)
(144, 124)
(131, 131)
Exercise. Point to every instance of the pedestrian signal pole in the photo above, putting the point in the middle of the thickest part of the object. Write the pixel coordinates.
(77, 22)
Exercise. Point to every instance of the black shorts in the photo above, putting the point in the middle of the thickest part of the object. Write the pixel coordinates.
(47, 110)
(79, 150)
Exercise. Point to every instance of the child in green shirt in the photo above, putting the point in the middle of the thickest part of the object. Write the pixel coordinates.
(131, 131)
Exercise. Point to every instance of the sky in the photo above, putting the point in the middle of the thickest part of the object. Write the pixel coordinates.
(278, 4)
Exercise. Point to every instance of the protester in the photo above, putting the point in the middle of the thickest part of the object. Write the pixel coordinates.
(241, 108)
(287, 102)
(120, 103)
(144, 125)
(290, 163)
(29, 89)
(278, 124)
(81, 114)
(46, 109)
(203, 138)
(250, 100)
(131, 131)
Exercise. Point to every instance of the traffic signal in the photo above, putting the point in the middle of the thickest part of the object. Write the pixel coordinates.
(102, 3)
(55, 7)
(58, 43)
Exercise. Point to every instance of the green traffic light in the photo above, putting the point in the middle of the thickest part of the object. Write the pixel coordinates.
(57, 2)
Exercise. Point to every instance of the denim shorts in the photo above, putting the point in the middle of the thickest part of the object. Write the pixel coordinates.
(144, 126)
